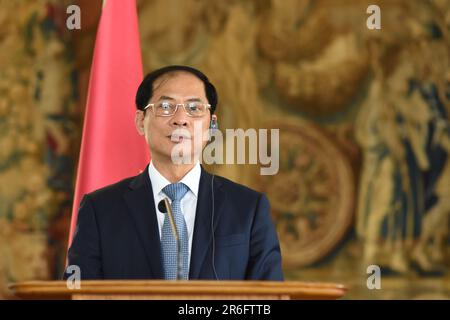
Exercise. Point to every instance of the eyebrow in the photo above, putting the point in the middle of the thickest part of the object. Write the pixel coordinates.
(194, 100)
(165, 98)
(172, 99)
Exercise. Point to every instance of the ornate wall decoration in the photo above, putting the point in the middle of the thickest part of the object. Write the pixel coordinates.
(327, 84)
(313, 196)
(320, 71)
(36, 131)
(403, 129)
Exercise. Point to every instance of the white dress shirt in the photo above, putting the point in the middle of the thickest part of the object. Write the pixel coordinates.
(188, 202)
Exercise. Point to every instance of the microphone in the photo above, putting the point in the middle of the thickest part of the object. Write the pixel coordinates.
(164, 207)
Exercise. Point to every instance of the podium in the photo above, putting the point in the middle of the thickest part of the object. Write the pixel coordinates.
(179, 290)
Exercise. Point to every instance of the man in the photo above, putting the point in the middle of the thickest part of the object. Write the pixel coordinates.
(225, 230)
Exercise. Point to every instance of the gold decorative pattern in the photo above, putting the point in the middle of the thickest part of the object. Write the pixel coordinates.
(312, 198)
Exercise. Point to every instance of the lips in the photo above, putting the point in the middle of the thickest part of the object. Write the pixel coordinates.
(178, 137)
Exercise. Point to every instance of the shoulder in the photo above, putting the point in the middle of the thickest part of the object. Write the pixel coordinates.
(244, 205)
(111, 192)
(239, 191)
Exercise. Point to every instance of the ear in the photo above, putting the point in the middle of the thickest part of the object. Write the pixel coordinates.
(139, 122)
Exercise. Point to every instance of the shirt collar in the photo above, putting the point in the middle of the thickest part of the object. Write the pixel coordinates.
(191, 179)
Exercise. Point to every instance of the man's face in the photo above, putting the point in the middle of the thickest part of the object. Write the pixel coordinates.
(159, 131)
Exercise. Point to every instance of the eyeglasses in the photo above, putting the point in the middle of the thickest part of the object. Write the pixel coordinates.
(167, 109)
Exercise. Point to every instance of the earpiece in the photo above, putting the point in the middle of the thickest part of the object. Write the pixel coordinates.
(213, 123)
(213, 126)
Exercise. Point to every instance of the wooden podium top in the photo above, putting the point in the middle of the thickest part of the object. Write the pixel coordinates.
(194, 289)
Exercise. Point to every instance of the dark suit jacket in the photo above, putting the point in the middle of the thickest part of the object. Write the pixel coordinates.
(117, 235)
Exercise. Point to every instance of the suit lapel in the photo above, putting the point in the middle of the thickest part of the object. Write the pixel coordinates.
(202, 230)
(139, 199)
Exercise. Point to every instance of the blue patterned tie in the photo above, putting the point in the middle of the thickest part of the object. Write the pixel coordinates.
(175, 192)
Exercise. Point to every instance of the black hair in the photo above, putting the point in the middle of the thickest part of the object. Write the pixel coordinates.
(145, 90)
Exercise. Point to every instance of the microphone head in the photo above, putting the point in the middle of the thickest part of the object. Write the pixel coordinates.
(162, 207)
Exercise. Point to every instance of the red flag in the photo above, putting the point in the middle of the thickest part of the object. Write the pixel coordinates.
(111, 148)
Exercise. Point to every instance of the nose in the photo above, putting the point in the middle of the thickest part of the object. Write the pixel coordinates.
(180, 118)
